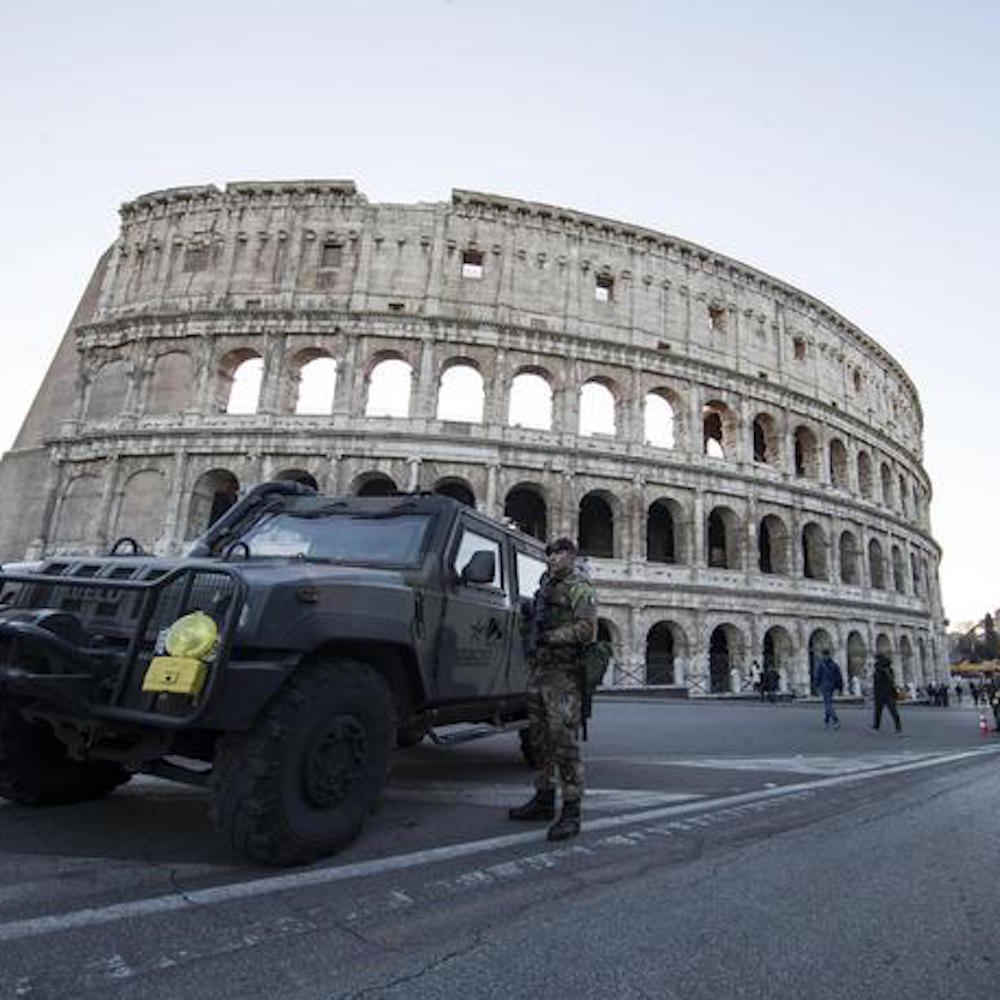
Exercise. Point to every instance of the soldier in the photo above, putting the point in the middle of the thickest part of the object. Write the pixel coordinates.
(565, 619)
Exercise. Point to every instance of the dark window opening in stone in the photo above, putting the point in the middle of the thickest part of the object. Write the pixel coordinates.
(527, 510)
(898, 576)
(718, 661)
(902, 493)
(213, 494)
(712, 434)
(376, 486)
(849, 559)
(886, 475)
(597, 533)
(806, 453)
(857, 380)
(195, 259)
(717, 318)
(660, 654)
(838, 464)
(717, 549)
(331, 255)
(759, 443)
(397, 307)
(799, 346)
(865, 474)
(876, 570)
(458, 490)
(660, 534)
(604, 288)
(772, 545)
(915, 573)
(472, 264)
(813, 553)
(764, 548)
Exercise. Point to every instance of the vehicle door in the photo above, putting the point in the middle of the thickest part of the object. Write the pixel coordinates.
(478, 617)
(528, 570)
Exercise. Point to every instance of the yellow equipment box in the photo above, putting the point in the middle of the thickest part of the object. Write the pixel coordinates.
(175, 675)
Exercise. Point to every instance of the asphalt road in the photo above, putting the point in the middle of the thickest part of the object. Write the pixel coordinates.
(728, 850)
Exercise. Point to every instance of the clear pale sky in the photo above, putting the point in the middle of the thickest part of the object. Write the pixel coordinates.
(849, 148)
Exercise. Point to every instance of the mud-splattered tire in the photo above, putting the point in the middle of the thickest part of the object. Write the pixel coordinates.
(300, 783)
(35, 769)
(529, 747)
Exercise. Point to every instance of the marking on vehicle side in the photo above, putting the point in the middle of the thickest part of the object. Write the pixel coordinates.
(96, 916)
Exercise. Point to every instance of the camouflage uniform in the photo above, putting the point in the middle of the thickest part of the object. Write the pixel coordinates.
(566, 612)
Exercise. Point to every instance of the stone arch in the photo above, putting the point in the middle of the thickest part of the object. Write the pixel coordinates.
(865, 475)
(240, 376)
(766, 440)
(525, 506)
(915, 573)
(314, 375)
(457, 488)
(850, 571)
(814, 556)
(141, 508)
(719, 429)
(213, 493)
(108, 390)
(531, 400)
(660, 409)
(898, 572)
(662, 648)
(857, 655)
(876, 565)
(906, 660)
(806, 453)
(726, 650)
(608, 631)
(778, 651)
(774, 550)
(664, 537)
(820, 643)
(389, 385)
(838, 464)
(722, 542)
(598, 408)
(297, 476)
(904, 505)
(373, 484)
(78, 512)
(883, 645)
(597, 536)
(172, 384)
(461, 392)
(885, 476)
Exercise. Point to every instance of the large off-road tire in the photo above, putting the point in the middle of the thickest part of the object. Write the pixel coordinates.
(529, 748)
(411, 733)
(300, 783)
(35, 769)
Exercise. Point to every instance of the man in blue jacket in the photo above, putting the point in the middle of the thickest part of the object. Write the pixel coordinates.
(829, 679)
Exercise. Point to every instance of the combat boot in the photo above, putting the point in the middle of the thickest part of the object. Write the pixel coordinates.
(568, 824)
(541, 806)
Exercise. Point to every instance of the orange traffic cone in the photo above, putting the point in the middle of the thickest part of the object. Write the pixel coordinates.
(983, 728)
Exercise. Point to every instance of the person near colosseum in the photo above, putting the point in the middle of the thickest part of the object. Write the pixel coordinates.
(564, 620)
(885, 691)
(828, 680)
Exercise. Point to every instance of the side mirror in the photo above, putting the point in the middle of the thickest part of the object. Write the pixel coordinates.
(481, 568)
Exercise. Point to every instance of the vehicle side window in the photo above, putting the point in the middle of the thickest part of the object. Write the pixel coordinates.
(529, 574)
(472, 543)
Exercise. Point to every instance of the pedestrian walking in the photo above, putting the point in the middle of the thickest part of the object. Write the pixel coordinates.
(829, 680)
(564, 620)
(885, 691)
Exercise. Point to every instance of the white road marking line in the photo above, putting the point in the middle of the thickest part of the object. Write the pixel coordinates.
(97, 916)
(471, 793)
(792, 764)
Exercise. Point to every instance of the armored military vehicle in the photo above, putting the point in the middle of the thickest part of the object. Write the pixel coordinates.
(277, 663)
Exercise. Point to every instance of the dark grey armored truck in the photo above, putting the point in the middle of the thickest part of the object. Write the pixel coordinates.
(278, 663)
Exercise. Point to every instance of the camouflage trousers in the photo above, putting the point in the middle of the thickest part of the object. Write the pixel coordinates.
(554, 712)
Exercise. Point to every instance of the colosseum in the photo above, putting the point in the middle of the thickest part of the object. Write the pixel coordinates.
(740, 464)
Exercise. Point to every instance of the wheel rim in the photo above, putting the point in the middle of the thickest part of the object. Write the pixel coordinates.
(336, 756)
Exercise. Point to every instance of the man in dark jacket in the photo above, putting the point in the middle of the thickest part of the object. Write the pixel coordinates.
(829, 679)
(885, 691)
(565, 615)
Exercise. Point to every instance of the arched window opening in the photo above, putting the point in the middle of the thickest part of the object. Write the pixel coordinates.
(375, 484)
(297, 476)
(857, 656)
(806, 453)
(461, 395)
(597, 531)
(458, 489)
(660, 654)
(526, 508)
(772, 546)
(886, 475)
(244, 392)
(724, 655)
(876, 569)
(530, 402)
(903, 495)
(906, 660)
(213, 494)
(849, 571)
(883, 645)
(597, 409)
(661, 533)
(865, 483)
(171, 388)
(838, 464)
(777, 655)
(317, 385)
(723, 539)
(389, 389)
(915, 573)
(658, 421)
(765, 440)
(898, 573)
(813, 552)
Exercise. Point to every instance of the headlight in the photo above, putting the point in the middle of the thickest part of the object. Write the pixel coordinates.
(194, 635)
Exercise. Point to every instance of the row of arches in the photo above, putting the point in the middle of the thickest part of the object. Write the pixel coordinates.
(173, 384)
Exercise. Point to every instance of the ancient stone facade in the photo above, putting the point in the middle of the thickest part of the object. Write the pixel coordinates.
(755, 492)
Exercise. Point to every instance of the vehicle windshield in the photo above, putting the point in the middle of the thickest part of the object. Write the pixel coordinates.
(396, 540)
